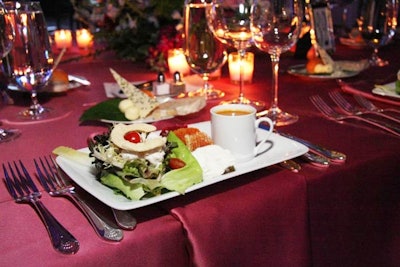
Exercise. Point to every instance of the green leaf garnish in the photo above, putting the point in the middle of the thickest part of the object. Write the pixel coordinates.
(107, 110)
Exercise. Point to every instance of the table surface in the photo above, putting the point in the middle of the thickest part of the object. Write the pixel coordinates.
(344, 215)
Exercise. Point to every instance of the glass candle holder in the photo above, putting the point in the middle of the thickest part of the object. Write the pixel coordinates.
(247, 67)
(177, 62)
(63, 39)
(84, 38)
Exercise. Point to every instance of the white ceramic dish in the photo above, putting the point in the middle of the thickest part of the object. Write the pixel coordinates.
(300, 70)
(280, 149)
(388, 89)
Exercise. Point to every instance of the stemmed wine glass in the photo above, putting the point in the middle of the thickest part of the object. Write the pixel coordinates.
(343, 4)
(31, 59)
(204, 53)
(229, 20)
(6, 43)
(377, 23)
(276, 25)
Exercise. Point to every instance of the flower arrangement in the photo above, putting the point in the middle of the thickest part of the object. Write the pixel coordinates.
(137, 30)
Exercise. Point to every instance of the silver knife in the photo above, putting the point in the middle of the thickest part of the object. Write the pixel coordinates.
(332, 155)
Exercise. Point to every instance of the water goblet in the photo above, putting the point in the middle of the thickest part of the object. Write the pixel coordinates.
(377, 23)
(343, 5)
(204, 53)
(229, 20)
(276, 25)
(6, 43)
(31, 59)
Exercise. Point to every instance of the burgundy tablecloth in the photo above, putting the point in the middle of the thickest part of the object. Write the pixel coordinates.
(344, 215)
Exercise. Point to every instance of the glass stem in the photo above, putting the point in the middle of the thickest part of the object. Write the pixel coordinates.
(206, 85)
(275, 73)
(36, 108)
(242, 54)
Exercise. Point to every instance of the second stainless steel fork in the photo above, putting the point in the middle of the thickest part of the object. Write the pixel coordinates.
(54, 183)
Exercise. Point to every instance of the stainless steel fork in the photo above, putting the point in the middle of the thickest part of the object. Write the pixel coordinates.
(326, 110)
(370, 106)
(23, 190)
(348, 108)
(54, 182)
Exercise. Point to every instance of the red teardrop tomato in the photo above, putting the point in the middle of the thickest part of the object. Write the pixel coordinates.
(175, 163)
(133, 137)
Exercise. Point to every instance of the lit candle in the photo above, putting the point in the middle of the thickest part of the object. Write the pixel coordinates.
(177, 62)
(247, 67)
(63, 38)
(84, 38)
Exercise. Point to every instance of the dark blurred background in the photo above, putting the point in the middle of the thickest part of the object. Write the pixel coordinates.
(59, 14)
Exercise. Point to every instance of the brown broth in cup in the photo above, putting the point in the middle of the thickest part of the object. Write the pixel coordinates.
(233, 112)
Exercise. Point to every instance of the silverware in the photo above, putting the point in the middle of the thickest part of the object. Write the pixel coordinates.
(23, 190)
(124, 219)
(316, 160)
(332, 155)
(333, 115)
(325, 155)
(83, 81)
(54, 182)
(353, 110)
(290, 165)
(370, 106)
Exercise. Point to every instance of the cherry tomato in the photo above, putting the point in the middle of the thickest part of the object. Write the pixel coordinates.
(133, 137)
(175, 163)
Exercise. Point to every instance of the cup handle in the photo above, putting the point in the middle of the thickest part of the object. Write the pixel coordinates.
(270, 130)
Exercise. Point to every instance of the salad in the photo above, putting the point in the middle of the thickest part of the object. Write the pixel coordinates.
(139, 162)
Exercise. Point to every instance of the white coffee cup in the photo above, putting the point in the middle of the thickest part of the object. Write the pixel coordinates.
(233, 127)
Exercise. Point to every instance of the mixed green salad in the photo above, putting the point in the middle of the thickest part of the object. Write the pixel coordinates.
(138, 173)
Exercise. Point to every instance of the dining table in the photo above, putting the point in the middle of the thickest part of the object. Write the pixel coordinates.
(346, 214)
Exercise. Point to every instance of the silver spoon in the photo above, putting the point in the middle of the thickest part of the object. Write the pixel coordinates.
(124, 219)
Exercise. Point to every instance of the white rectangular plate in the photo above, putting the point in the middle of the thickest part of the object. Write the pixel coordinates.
(279, 149)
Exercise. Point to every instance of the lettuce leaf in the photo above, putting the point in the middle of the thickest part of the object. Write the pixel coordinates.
(106, 110)
(180, 179)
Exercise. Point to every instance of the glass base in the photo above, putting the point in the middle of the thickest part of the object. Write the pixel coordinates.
(30, 116)
(35, 112)
(208, 94)
(257, 104)
(7, 135)
(279, 117)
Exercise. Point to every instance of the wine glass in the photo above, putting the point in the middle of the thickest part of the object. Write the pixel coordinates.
(204, 53)
(229, 20)
(31, 59)
(276, 25)
(377, 24)
(342, 4)
(6, 43)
